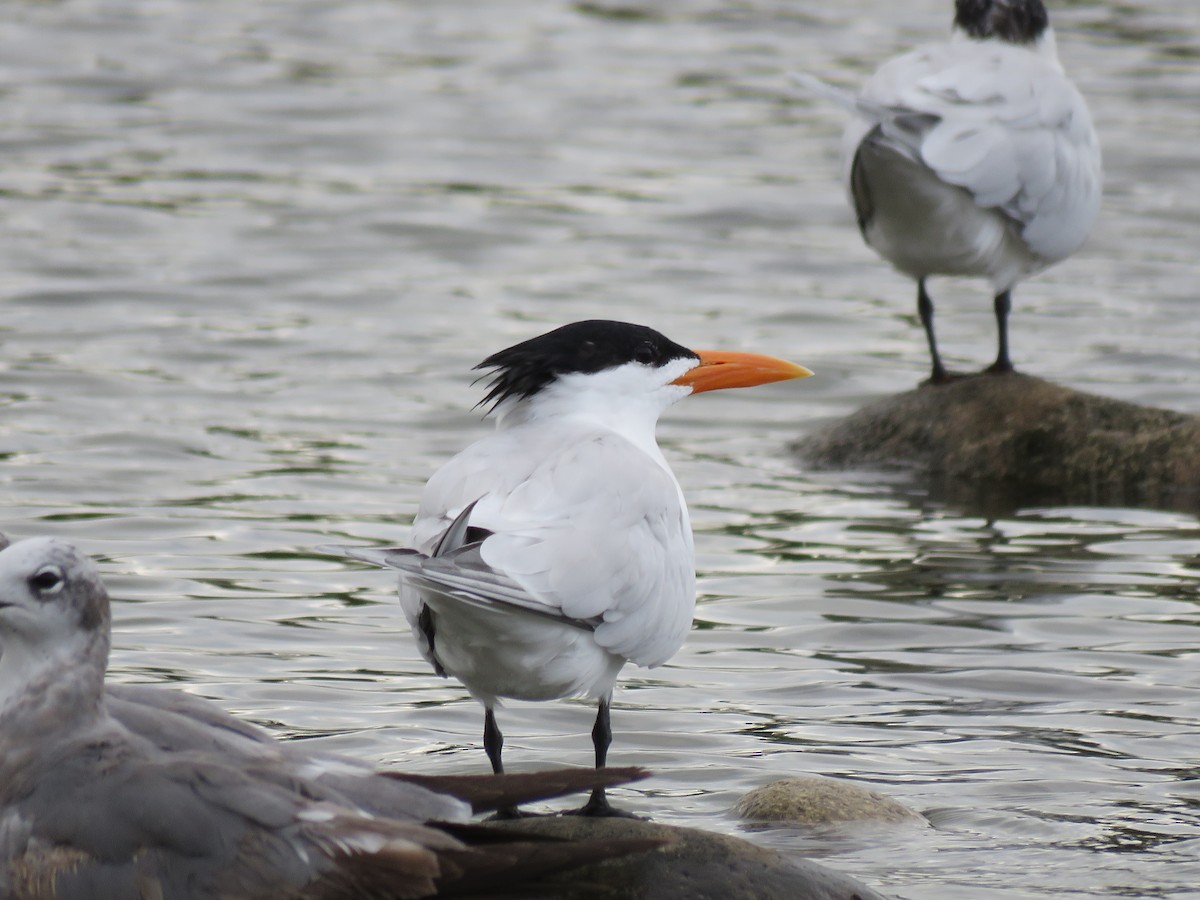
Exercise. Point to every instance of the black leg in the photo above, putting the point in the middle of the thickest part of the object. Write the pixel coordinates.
(602, 733)
(925, 311)
(598, 804)
(1002, 304)
(493, 741)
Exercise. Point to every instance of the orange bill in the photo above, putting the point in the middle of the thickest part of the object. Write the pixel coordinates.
(720, 369)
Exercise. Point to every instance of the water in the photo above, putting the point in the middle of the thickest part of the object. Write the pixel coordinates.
(248, 253)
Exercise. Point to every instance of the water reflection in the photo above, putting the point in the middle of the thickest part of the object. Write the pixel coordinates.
(1030, 659)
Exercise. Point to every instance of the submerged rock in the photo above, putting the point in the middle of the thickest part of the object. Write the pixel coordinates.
(1019, 440)
(694, 865)
(816, 801)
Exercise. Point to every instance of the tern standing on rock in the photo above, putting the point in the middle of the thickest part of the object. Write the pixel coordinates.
(558, 548)
(973, 157)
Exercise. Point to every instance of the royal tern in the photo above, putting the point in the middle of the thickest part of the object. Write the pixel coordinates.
(548, 554)
(973, 157)
(138, 791)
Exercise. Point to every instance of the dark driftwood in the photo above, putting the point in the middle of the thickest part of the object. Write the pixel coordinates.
(695, 865)
(1017, 440)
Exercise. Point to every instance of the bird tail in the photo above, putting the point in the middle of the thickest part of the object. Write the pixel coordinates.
(813, 85)
(456, 571)
(455, 537)
(848, 100)
(403, 558)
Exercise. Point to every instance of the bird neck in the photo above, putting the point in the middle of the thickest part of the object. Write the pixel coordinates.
(633, 414)
(43, 688)
(1045, 47)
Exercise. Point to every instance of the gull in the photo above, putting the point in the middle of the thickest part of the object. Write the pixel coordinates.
(551, 552)
(137, 791)
(972, 157)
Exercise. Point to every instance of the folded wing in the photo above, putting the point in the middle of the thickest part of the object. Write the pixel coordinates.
(1003, 124)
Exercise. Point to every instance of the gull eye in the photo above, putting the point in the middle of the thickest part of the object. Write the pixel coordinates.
(47, 580)
(645, 353)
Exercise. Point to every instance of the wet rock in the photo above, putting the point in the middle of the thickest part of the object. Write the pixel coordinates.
(1020, 440)
(694, 865)
(810, 800)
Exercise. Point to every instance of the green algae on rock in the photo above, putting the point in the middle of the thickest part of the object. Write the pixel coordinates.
(1016, 440)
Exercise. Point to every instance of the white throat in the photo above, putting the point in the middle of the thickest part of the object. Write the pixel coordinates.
(627, 400)
(66, 673)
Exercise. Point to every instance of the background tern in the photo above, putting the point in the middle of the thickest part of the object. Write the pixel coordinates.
(973, 157)
(551, 552)
(145, 792)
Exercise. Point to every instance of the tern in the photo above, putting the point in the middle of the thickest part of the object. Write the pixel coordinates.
(139, 791)
(973, 157)
(551, 552)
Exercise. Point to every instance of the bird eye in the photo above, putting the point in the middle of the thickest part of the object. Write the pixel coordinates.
(645, 353)
(47, 580)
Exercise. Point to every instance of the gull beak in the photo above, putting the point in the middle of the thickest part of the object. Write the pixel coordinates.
(720, 369)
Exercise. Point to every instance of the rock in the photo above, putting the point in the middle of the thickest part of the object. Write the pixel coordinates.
(694, 865)
(811, 800)
(1015, 440)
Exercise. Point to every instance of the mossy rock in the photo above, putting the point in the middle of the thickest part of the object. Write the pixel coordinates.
(815, 801)
(1015, 440)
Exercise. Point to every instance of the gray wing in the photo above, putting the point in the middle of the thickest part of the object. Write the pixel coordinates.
(462, 576)
(456, 571)
(176, 722)
(110, 816)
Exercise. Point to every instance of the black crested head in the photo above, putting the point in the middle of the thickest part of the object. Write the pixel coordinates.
(584, 347)
(1014, 21)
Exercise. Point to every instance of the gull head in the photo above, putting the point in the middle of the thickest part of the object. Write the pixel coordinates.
(50, 595)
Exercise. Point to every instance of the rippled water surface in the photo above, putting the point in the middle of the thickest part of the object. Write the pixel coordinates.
(249, 252)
